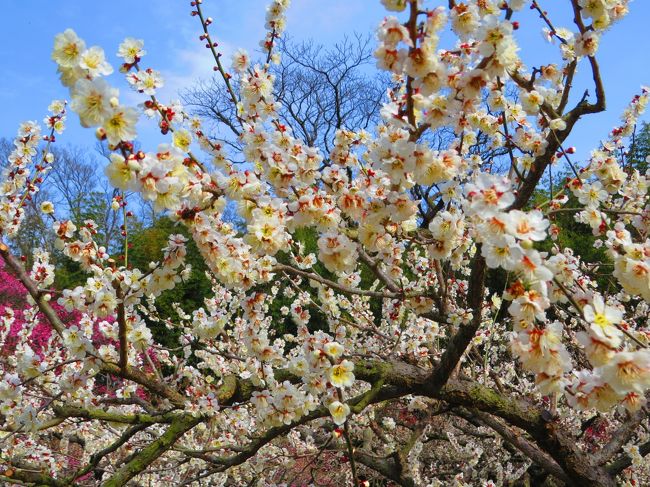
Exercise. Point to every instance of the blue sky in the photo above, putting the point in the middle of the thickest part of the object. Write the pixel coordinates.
(29, 80)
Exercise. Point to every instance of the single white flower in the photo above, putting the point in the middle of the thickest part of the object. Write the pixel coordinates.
(67, 49)
(120, 125)
(339, 411)
(91, 100)
(47, 207)
(131, 50)
(340, 375)
(602, 320)
(94, 62)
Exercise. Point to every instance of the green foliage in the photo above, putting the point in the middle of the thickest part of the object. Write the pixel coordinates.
(573, 235)
(146, 246)
(285, 324)
(308, 237)
(96, 207)
(640, 149)
(68, 273)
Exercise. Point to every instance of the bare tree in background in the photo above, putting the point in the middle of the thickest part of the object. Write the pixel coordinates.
(83, 194)
(321, 90)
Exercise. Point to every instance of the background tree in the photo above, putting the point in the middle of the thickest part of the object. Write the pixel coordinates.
(320, 89)
(636, 157)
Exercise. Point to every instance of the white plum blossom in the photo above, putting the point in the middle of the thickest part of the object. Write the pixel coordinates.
(339, 411)
(131, 50)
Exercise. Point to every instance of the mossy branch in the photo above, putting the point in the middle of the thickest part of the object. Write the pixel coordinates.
(153, 451)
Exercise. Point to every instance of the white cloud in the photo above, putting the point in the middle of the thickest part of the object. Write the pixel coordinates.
(192, 63)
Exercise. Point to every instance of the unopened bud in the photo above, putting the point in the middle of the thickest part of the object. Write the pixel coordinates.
(526, 244)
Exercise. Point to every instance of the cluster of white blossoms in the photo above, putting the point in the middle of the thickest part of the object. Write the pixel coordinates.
(93, 99)
(162, 177)
(373, 251)
(325, 374)
(100, 294)
(276, 22)
(21, 175)
(614, 348)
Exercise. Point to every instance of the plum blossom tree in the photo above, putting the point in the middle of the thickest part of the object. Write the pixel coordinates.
(405, 366)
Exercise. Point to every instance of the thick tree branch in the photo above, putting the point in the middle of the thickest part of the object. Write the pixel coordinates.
(34, 292)
(624, 461)
(620, 437)
(95, 458)
(459, 342)
(518, 441)
(153, 451)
